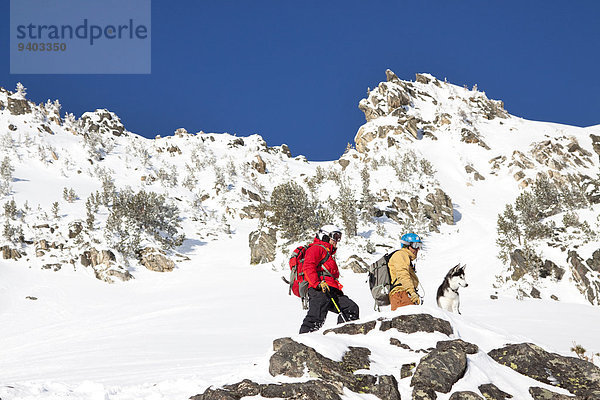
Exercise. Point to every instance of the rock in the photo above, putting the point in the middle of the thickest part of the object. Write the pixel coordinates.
(286, 150)
(262, 245)
(468, 136)
(573, 374)
(75, 229)
(293, 359)
(591, 289)
(12, 127)
(550, 269)
(344, 163)
(465, 395)
(18, 106)
(407, 370)
(422, 79)
(440, 369)
(491, 392)
(412, 323)
(468, 348)
(423, 393)
(54, 267)
(594, 262)
(535, 293)
(31, 298)
(154, 260)
(391, 77)
(10, 254)
(102, 122)
(440, 209)
(596, 144)
(539, 393)
(356, 264)
(311, 390)
(398, 343)
(352, 328)
(251, 195)
(181, 132)
(259, 165)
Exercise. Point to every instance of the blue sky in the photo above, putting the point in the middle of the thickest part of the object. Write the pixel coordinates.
(294, 72)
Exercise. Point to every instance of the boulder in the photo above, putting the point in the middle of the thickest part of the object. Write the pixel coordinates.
(491, 392)
(10, 254)
(412, 323)
(259, 165)
(251, 195)
(594, 261)
(155, 260)
(539, 393)
(578, 376)
(75, 229)
(422, 79)
(294, 359)
(353, 328)
(262, 245)
(441, 368)
(407, 370)
(465, 395)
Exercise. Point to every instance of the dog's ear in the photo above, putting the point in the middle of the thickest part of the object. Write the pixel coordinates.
(463, 267)
(454, 269)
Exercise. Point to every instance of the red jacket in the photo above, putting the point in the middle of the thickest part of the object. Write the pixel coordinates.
(313, 272)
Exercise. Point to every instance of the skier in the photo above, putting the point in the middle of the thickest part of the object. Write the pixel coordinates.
(325, 291)
(402, 271)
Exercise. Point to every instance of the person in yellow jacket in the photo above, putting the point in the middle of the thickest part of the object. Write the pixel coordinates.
(402, 272)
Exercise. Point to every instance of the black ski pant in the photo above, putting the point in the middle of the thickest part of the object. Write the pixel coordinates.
(319, 304)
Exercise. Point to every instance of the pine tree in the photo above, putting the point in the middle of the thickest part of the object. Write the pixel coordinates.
(21, 90)
(291, 210)
(346, 207)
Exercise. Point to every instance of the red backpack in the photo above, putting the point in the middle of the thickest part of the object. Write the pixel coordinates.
(298, 283)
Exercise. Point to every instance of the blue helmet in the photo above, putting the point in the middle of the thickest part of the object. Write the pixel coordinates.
(411, 239)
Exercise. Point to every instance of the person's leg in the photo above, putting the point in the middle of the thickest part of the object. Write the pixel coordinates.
(349, 308)
(318, 305)
(399, 299)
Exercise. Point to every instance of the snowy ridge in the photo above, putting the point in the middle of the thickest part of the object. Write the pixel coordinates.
(211, 320)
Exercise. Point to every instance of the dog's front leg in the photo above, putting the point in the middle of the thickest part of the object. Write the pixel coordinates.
(455, 306)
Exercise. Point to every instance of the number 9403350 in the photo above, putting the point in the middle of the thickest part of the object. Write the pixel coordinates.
(41, 46)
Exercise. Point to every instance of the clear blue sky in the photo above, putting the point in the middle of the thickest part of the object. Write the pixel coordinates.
(294, 71)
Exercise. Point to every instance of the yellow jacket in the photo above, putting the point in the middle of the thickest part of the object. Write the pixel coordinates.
(402, 271)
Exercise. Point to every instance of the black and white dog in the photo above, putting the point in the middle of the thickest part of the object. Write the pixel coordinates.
(447, 294)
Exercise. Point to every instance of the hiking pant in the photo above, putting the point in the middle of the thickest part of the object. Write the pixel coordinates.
(400, 299)
(319, 304)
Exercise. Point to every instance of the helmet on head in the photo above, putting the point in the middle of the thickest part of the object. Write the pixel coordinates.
(411, 239)
(329, 232)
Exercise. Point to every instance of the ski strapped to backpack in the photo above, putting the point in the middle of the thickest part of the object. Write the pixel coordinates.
(298, 283)
(380, 281)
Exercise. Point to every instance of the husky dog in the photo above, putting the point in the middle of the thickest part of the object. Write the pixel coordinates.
(447, 294)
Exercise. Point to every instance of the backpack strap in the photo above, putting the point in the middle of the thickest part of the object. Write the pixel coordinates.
(325, 271)
(389, 257)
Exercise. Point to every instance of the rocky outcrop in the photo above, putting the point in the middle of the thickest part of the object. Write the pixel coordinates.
(437, 210)
(10, 254)
(292, 359)
(469, 136)
(353, 328)
(596, 144)
(155, 260)
(539, 393)
(18, 106)
(465, 395)
(412, 323)
(584, 277)
(356, 264)
(263, 245)
(578, 376)
(259, 165)
(102, 122)
(103, 262)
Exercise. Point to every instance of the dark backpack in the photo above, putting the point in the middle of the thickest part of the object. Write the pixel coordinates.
(380, 281)
(298, 283)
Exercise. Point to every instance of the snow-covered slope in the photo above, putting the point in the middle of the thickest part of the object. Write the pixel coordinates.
(438, 159)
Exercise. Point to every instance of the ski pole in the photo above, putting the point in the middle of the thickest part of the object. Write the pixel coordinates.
(338, 309)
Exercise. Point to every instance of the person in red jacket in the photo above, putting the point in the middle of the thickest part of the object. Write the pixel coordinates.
(324, 289)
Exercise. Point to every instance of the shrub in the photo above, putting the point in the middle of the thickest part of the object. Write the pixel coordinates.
(135, 217)
(291, 210)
